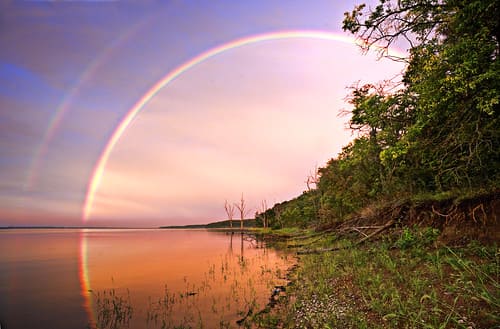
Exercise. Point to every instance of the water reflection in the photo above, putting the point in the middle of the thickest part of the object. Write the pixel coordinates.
(39, 279)
(137, 278)
(167, 279)
(241, 253)
(86, 291)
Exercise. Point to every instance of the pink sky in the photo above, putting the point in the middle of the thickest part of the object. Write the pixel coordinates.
(255, 119)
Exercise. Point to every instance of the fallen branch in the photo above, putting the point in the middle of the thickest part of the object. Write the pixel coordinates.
(383, 228)
(358, 230)
(318, 251)
(378, 231)
(368, 227)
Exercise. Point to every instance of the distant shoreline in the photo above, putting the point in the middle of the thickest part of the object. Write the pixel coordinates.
(221, 225)
(73, 228)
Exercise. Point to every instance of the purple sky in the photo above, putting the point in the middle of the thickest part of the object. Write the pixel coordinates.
(255, 119)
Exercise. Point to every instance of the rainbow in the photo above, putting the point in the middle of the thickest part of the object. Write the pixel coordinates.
(172, 75)
(62, 109)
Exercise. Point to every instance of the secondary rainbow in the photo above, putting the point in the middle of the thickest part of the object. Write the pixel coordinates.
(172, 75)
(64, 106)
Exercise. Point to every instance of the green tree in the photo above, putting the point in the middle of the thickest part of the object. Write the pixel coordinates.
(452, 82)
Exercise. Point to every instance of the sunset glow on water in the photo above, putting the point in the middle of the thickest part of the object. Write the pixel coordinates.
(67, 278)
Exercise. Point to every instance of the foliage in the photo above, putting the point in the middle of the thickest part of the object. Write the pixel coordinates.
(451, 90)
(435, 133)
(299, 212)
(380, 286)
(407, 239)
(411, 237)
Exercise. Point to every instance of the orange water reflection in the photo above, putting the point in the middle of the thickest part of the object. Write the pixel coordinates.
(39, 279)
(177, 277)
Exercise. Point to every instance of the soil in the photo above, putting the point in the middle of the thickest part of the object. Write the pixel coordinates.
(459, 220)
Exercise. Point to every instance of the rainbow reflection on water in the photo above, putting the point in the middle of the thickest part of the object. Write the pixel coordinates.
(86, 290)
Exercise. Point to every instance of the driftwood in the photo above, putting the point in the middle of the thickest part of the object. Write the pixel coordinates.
(366, 237)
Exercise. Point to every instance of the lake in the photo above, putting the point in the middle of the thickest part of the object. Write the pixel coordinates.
(133, 278)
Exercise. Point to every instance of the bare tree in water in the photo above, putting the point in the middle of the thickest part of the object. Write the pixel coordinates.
(242, 208)
(230, 212)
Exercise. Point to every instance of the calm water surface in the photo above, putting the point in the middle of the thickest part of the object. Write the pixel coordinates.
(133, 278)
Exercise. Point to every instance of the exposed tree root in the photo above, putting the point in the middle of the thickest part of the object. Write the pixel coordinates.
(458, 220)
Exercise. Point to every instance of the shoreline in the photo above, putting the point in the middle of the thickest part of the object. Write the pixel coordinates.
(404, 277)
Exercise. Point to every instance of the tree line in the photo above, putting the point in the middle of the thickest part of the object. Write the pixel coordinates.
(434, 133)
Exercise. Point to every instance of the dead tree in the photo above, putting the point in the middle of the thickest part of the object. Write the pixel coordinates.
(312, 179)
(230, 212)
(242, 208)
(312, 187)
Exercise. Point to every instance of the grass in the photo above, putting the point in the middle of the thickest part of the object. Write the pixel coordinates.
(113, 310)
(404, 280)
